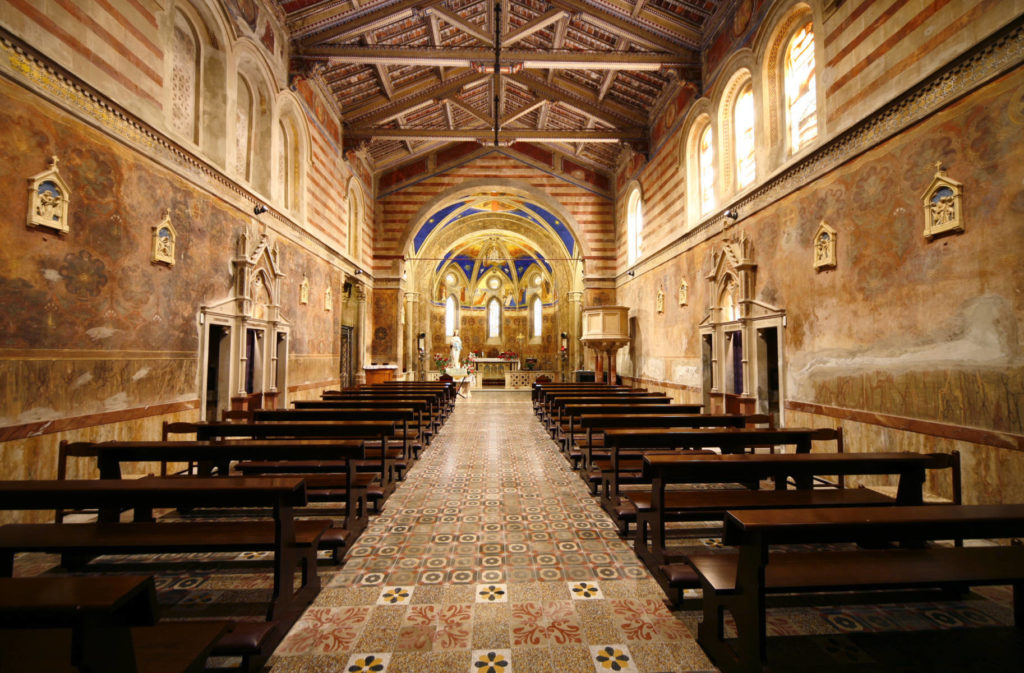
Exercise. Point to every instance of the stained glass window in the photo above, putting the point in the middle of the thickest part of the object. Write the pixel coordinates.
(801, 101)
(706, 164)
(184, 69)
(537, 316)
(449, 316)
(743, 118)
(634, 226)
(493, 318)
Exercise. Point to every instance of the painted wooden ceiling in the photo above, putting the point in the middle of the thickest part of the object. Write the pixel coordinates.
(411, 76)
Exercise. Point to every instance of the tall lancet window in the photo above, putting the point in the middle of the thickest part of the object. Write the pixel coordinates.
(801, 94)
(706, 163)
(634, 226)
(743, 117)
(450, 317)
(243, 129)
(538, 316)
(184, 78)
(493, 318)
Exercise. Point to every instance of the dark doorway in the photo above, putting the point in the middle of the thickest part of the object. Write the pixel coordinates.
(217, 371)
(768, 373)
(345, 365)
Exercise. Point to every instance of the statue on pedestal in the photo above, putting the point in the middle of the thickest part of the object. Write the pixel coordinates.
(456, 352)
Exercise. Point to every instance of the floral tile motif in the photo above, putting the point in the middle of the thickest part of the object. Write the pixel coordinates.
(436, 627)
(324, 631)
(582, 591)
(491, 593)
(491, 661)
(612, 658)
(376, 662)
(549, 623)
(646, 619)
(395, 595)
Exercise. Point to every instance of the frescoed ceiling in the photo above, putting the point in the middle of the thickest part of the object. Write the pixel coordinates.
(411, 76)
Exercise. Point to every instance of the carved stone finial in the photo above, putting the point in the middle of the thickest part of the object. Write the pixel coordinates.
(938, 167)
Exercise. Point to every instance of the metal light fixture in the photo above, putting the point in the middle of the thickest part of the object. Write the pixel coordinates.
(259, 209)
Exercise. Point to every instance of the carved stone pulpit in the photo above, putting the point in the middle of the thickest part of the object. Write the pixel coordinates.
(606, 330)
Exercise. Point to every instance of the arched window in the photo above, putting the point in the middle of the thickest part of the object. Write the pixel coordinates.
(537, 309)
(184, 78)
(743, 120)
(355, 217)
(451, 317)
(706, 166)
(801, 94)
(493, 318)
(634, 226)
(244, 119)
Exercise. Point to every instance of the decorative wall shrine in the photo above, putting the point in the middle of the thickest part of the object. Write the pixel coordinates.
(48, 198)
(943, 205)
(164, 241)
(824, 247)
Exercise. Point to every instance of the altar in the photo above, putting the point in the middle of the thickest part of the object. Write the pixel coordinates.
(492, 368)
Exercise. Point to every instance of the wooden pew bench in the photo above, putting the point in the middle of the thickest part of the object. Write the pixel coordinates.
(66, 624)
(327, 466)
(421, 421)
(293, 542)
(555, 403)
(659, 505)
(739, 583)
(572, 435)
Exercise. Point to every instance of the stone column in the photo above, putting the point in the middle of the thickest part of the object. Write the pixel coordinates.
(410, 358)
(575, 330)
(361, 329)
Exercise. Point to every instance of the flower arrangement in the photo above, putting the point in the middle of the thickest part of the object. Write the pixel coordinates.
(508, 355)
(442, 360)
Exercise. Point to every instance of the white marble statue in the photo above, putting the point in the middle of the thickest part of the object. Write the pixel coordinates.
(456, 362)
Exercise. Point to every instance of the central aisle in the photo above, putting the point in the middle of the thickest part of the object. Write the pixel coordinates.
(491, 556)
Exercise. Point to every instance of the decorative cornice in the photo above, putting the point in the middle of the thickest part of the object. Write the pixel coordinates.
(30, 69)
(999, 54)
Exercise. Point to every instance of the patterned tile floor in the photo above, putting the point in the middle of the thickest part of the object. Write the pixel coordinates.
(490, 557)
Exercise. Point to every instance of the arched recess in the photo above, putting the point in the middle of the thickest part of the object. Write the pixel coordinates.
(783, 20)
(204, 25)
(244, 337)
(507, 234)
(742, 338)
(291, 150)
(356, 217)
(252, 121)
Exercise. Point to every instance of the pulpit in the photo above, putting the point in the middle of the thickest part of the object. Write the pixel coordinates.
(606, 330)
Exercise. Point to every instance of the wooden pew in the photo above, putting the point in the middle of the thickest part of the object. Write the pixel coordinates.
(293, 542)
(422, 422)
(348, 429)
(402, 448)
(604, 472)
(555, 403)
(437, 402)
(570, 429)
(728, 440)
(538, 389)
(332, 462)
(67, 624)
(657, 506)
(739, 583)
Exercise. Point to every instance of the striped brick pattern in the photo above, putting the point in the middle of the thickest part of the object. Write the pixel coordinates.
(593, 213)
(874, 50)
(326, 200)
(111, 44)
(663, 185)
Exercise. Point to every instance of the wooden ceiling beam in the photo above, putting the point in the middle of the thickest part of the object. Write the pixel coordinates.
(468, 110)
(530, 58)
(505, 135)
(345, 28)
(525, 111)
(613, 115)
(372, 111)
(460, 23)
(628, 28)
(538, 24)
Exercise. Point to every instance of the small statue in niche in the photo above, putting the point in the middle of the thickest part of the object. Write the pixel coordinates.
(660, 301)
(328, 299)
(943, 205)
(304, 291)
(684, 293)
(824, 247)
(164, 241)
(48, 199)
